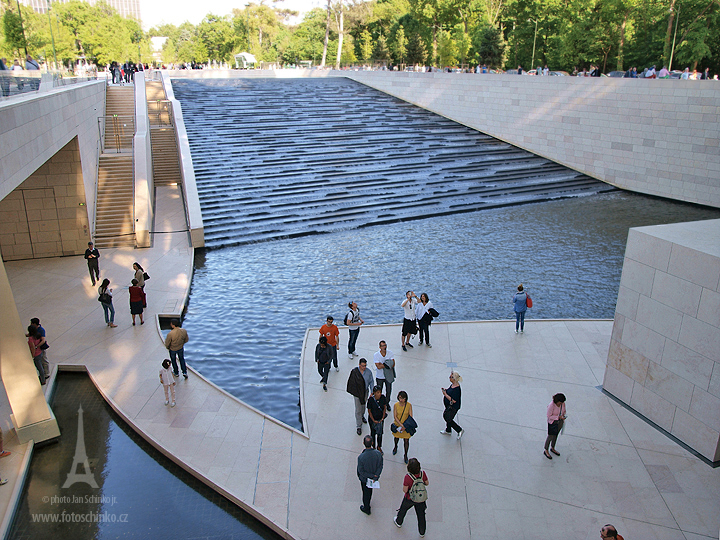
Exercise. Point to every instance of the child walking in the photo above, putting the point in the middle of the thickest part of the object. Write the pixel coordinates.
(168, 381)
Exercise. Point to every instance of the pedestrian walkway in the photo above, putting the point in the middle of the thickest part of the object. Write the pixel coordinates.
(494, 483)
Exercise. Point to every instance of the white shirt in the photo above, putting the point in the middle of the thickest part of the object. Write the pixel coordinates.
(409, 307)
(422, 309)
(379, 358)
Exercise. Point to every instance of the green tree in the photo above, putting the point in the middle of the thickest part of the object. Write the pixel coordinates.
(217, 38)
(462, 42)
(490, 46)
(416, 52)
(366, 45)
(400, 45)
(381, 52)
(12, 30)
(447, 49)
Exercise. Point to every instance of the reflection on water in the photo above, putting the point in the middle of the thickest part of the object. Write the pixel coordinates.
(250, 305)
(139, 493)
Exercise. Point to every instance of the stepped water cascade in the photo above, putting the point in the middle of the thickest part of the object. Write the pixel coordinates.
(286, 158)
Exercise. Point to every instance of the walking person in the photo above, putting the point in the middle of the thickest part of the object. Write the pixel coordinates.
(137, 301)
(353, 322)
(424, 318)
(105, 298)
(384, 360)
(175, 343)
(34, 342)
(377, 411)
(520, 305)
(332, 334)
(323, 360)
(44, 346)
(369, 469)
(402, 410)
(360, 381)
(452, 402)
(409, 327)
(556, 415)
(415, 495)
(93, 255)
(168, 381)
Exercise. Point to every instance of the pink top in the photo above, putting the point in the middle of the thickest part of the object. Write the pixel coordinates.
(554, 412)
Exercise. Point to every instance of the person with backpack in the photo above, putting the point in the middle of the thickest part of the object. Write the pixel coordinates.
(353, 322)
(415, 489)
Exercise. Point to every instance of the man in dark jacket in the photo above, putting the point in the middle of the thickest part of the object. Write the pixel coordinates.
(92, 255)
(369, 467)
(359, 384)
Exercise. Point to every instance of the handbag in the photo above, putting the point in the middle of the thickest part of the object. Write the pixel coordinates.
(410, 425)
(393, 427)
(528, 302)
(554, 428)
(146, 276)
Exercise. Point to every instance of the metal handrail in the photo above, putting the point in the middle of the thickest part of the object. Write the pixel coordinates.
(122, 131)
(162, 112)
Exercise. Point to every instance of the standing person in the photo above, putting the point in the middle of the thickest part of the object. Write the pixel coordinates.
(323, 360)
(422, 312)
(92, 255)
(556, 415)
(168, 381)
(44, 346)
(175, 343)
(369, 467)
(137, 301)
(360, 381)
(414, 485)
(452, 403)
(520, 307)
(409, 327)
(34, 342)
(402, 410)
(139, 275)
(354, 322)
(377, 406)
(385, 369)
(105, 298)
(32, 65)
(4, 78)
(332, 334)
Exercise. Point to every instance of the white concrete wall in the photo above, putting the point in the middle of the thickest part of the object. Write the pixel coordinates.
(142, 166)
(35, 127)
(664, 358)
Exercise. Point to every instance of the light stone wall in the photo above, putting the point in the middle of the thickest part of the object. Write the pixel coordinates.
(46, 216)
(33, 128)
(659, 137)
(664, 357)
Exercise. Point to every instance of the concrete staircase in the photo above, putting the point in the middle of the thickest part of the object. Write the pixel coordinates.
(166, 162)
(115, 205)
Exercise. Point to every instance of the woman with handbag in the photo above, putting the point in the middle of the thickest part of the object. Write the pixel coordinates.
(139, 275)
(451, 400)
(105, 299)
(521, 301)
(137, 301)
(402, 410)
(556, 415)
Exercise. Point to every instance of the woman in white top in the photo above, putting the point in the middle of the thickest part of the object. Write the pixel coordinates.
(424, 318)
(409, 327)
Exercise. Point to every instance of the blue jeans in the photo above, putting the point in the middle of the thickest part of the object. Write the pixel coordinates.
(353, 339)
(181, 355)
(109, 313)
(519, 320)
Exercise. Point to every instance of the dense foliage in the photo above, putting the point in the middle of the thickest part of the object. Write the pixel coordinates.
(564, 34)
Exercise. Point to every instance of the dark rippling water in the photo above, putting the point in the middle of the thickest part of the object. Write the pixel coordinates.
(250, 305)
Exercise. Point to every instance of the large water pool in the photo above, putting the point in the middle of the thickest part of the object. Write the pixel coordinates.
(250, 305)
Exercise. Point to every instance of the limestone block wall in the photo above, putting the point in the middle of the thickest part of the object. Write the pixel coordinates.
(659, 137)
(35, 127)
(664, 357)
(46, 216)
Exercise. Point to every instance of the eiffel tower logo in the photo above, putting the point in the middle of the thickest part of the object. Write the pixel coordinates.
(81, 458)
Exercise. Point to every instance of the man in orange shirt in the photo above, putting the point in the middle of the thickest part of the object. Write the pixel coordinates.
(331, 332)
